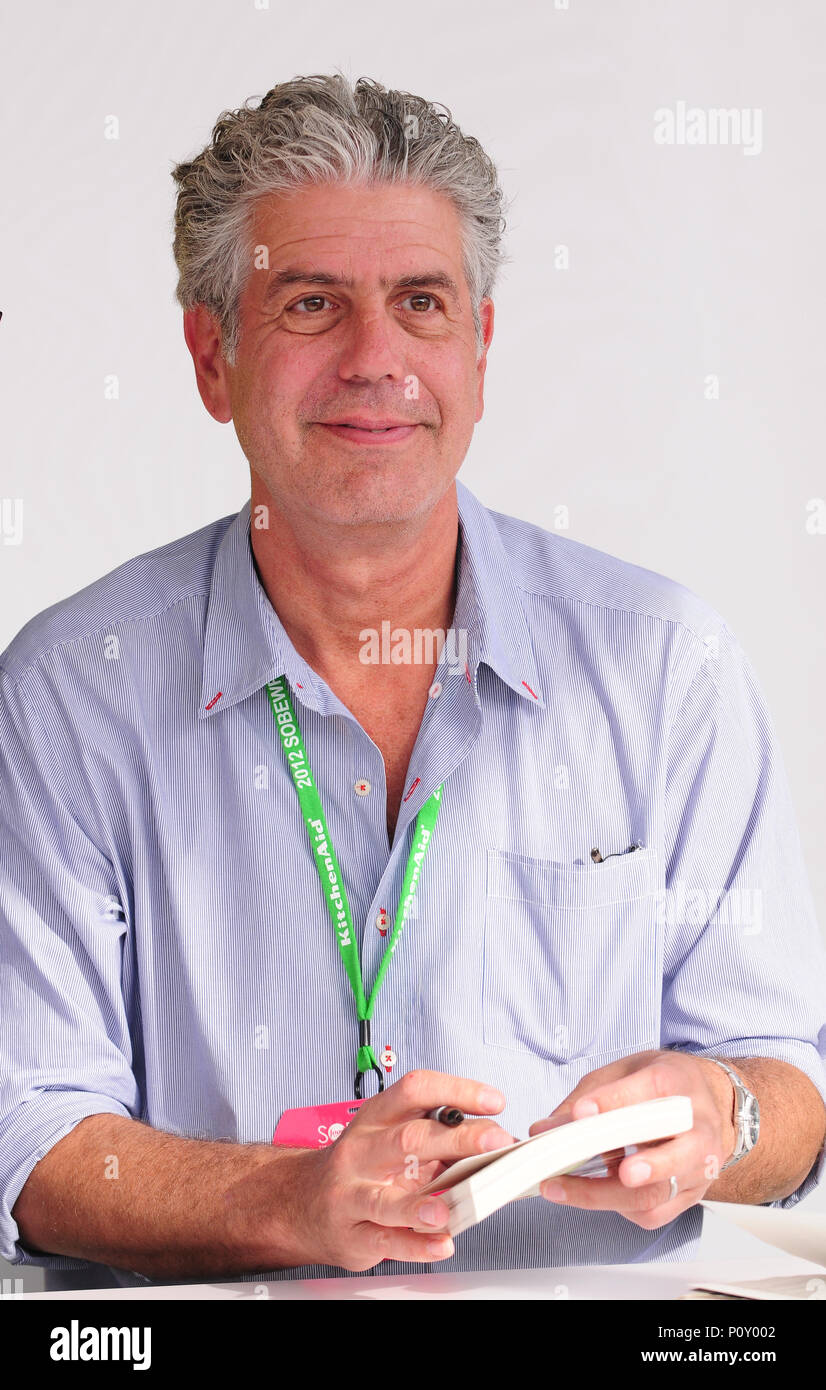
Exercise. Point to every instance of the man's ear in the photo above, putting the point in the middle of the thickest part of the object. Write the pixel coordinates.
(486, 319)
(203, 338)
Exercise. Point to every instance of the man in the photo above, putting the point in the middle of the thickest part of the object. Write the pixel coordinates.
(191, 943)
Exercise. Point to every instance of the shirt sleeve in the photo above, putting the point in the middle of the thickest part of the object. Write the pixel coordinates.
(744, 969)
(65, 1049)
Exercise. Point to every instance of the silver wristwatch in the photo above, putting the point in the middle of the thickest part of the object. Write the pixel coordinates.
(746, 1115)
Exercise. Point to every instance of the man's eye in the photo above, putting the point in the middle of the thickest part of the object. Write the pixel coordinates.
(314, 299)
(416, 299)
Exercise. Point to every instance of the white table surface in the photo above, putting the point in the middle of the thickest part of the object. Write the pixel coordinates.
(639, 1281)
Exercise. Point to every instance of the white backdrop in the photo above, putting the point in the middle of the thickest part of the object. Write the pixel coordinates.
(658, 359)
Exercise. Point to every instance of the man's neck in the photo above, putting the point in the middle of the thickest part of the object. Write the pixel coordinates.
(329, 585)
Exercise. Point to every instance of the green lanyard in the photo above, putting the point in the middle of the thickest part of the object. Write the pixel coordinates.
(330, 874)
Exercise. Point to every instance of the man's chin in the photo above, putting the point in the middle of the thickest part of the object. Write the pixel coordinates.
(374, 497)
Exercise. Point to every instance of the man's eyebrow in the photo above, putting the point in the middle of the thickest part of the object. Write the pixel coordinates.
(298, 275)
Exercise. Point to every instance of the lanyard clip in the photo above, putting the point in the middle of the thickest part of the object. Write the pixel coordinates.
(374, 1066)
(366, 1054)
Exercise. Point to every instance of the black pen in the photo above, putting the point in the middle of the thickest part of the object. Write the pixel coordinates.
(446, 1115)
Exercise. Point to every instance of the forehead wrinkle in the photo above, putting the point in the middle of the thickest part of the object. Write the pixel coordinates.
(372, 231)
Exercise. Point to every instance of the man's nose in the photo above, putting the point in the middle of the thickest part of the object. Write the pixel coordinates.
(372, 349)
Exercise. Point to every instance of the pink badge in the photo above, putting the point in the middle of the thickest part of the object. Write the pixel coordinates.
(315, 1126)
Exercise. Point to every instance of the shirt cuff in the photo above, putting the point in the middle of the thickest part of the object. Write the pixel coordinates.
(29, 1134)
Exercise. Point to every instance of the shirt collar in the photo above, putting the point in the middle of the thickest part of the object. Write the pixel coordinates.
(489, 603)
(246, 645)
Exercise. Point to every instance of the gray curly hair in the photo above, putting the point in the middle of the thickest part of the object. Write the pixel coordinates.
(321, 129)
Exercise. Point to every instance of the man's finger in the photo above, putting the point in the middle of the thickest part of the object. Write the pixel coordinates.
(424, 1174)
(426, 1141)
(649, 1083)
(400, 1243)
(632, 1188)
(383, 1205)
(562, 1116)
(594, 1081)
(421, 1091)
(605, 1194)
(683, 1157)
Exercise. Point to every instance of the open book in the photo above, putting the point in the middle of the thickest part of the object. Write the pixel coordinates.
(476, 1187)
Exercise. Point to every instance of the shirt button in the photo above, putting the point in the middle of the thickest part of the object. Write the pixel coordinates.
(435, 690)
(361, 787)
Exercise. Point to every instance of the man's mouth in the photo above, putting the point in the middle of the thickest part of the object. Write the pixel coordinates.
(368, 432)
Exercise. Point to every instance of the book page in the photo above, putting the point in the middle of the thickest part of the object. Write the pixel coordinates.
(796, 1232)
(784, 1286)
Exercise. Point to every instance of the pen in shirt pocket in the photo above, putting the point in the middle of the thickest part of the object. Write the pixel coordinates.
(600, 858)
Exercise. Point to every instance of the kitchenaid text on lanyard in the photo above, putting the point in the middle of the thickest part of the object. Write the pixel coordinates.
(330, 874)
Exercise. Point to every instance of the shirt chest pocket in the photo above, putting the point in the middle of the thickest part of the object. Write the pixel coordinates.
(572, 962)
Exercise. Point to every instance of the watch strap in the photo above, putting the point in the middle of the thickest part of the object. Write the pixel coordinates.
(741, 1095)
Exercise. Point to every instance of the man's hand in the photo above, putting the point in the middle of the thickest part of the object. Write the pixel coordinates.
(641, 1187)
(360, 1196)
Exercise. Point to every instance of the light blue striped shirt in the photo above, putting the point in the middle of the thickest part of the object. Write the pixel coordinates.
(165, 948)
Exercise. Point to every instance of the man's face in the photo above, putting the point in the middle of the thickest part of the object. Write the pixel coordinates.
(362, 315)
